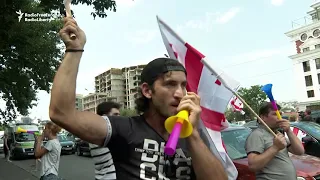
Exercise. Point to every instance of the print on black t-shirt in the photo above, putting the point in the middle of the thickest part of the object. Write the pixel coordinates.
(138, 152)
(153, 153)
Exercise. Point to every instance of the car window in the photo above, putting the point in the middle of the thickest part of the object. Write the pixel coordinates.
(235, 141)
(22, 137)
(63, 138)
(311, 128)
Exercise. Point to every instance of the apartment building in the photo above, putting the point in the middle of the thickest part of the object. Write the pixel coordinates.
(306, 62)
(91, 101)
(121, 84)
(132, 76)
(79, 105)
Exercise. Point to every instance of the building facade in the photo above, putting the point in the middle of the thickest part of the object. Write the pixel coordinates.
(91, 101)
(79, 105)
(121, 84)
(306, 61)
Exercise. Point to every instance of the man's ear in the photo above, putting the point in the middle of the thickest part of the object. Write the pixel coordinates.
(146, 90)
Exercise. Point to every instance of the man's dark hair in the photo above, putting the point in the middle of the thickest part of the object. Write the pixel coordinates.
(104, 108)
(150, 73)
(308, 111)
(142, 103)
(266, 108)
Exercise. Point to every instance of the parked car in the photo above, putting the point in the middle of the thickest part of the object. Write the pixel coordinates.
(234, 138)
(309, 133)
(67, 145)
(251, 124)
(81, 147)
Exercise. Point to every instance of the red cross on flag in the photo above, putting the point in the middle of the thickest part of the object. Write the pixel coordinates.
(237, 105)
(215, 97)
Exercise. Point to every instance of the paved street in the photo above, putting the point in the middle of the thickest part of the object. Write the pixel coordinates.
(9, 171)
(72, 167)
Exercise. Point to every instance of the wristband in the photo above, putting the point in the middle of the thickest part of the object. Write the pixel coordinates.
(74, 50)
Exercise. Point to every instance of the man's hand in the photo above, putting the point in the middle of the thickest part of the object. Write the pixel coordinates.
(279, 142)
(191, 103)
(40, 138)
(206, 165)
(71, 26)
(284, 124)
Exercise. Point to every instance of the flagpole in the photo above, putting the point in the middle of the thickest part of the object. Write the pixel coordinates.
(171, 30)
(237, 95)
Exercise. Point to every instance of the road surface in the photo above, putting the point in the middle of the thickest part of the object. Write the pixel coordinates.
(72, 167)
(9, 171)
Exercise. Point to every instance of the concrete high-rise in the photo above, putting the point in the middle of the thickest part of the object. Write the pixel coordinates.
(121, 84)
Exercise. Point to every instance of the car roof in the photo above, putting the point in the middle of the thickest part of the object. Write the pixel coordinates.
(233, 128)
(299, 123)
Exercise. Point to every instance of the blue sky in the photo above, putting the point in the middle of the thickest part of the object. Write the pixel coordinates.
(244, 38)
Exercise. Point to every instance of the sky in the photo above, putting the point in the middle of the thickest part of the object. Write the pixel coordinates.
(244, 38)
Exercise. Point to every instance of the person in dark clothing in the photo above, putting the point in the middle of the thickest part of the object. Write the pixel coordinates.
(307, 112)
(137, 143)
(6, 148)
(307, 118)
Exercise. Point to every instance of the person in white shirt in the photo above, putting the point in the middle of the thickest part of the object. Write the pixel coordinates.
(49, 153)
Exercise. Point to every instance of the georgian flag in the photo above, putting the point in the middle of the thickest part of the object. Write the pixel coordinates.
(215, 97)
(237, 105)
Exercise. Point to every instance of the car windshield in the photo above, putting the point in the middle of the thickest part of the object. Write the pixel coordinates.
(63, 138)
(311, 128)
(235, 141)
(22, 137)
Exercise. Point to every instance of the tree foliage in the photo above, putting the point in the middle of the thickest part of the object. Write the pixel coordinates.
(254, 97)
(234, 116)
(99, 6)
(30, 52)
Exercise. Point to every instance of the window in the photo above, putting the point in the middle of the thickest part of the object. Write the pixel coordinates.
(305, 49)
(317, 61)
(312, 129)
(317, 46)
(308, 80)
(310, 93)
(306, 66)
(316, 33)
(235, 141)
(304, 37)
(314, 16)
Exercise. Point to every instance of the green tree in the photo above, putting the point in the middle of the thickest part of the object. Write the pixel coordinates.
(234, 116)
(128, 112)
(99, 6)
(254, 97)
(30, 52)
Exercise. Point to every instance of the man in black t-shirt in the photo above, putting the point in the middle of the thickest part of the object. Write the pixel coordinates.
(137, 143)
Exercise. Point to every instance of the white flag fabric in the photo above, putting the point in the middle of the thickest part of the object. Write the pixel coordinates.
(215, 97)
